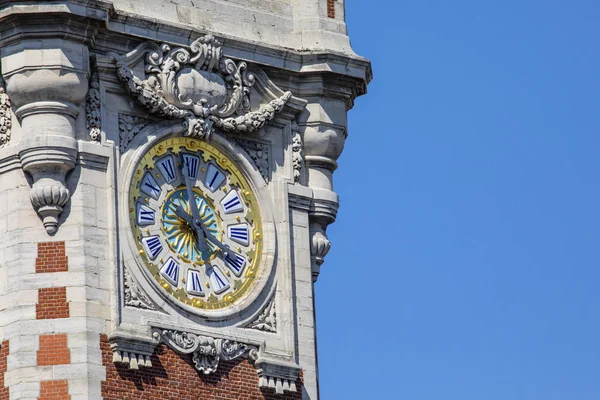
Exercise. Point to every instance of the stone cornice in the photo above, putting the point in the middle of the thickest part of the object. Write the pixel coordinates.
(107, 29)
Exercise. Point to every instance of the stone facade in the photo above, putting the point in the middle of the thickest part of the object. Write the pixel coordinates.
(87, 88)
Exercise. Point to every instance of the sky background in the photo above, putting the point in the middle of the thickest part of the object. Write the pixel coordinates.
(465, 258)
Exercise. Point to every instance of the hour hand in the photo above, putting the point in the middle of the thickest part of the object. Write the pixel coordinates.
(182, 214)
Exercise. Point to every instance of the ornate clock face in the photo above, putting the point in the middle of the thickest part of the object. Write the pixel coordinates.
(196, 223)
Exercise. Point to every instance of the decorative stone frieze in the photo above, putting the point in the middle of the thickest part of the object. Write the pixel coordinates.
(259, 153)
(133, 295)
(206, 351)
(93, 111)
(266, 320)
(5, 116)
(198, 85)
(297, 152)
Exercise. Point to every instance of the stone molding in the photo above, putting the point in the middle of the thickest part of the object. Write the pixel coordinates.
(206, 351)
(197, 85)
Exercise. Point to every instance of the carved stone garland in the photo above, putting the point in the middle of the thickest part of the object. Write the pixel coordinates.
(198, 85)
(206, 352)
(92, 109)
(297, 152)
(5, 116)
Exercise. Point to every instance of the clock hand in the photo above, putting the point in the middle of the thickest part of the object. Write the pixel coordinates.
(216, 242)
(196, 222)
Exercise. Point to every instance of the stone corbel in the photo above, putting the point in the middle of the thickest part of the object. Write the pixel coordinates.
(277, 375)
(47, 99)
(132, 353)
(206, 351)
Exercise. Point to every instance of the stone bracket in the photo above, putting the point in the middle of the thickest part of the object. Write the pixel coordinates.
(277, 375)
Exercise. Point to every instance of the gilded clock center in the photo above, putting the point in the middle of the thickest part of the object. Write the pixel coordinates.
(177, 225)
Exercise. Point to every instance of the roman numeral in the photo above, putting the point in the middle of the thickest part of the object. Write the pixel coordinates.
(232, 202)
(236, 263)
(192, 163)
(218, 280)
(214, 178)
(153, 246)
(193, 284)
(239, 233)
(167, 167)
(145, 215)
(149, 186)
(170, 271)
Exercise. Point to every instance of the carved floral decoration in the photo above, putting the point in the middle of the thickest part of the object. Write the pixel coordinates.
(198, 85)
(206, 351)
(5, 116)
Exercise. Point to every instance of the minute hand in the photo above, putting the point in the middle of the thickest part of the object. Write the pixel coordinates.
(197, 224)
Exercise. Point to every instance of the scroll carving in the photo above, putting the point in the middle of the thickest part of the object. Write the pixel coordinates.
(134, 297)
(206, 351)
(198, 85)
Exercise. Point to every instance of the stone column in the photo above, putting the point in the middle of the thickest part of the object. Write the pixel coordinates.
(47, 84)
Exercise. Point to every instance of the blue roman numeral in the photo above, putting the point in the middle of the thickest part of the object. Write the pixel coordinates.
(192, 163)
(150, 187)
(232, 203)
(153, 246)
(167, 168)
(218, 280)
(239, 233)
(236, 263)
(214, 177)
(194, 285)
(145, 215)
(170, 271)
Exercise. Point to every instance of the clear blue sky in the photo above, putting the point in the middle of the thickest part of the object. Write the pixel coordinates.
(466, 256)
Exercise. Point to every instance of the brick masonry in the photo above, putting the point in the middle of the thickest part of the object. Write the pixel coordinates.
(53, 350)
(54, 390)
(51, 257)
(173, 377)
(52, 303)
(3, 356)
(331, 8)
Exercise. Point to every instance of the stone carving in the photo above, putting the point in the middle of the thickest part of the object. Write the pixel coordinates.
(297, 152)
(319, 247)
(259, 153)
(92, 110)
(49, 200)
(5, 116)
(198, 85)
(206, 351)
(134, 297)
(267, 320)
(129, 126)
(131, 359)
(277, 375)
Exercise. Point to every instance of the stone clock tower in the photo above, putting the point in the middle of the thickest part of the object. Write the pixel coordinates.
(166, 185)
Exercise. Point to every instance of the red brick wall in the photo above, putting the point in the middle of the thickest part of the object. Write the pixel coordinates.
(3, 354)
(54, 390)
(331, 8)
(53, 350)
(52, 303)
(173, 377)
(51, 257)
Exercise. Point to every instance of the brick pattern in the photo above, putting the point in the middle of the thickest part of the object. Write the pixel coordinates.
(173, 377)
(51, 257)
(52, 303)
(54, 390)
(3, 368)
(331, 8)
(53, 350)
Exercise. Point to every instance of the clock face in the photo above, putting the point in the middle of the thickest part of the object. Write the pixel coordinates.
(196, 223)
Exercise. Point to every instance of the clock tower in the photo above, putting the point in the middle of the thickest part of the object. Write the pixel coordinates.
(167, 182)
